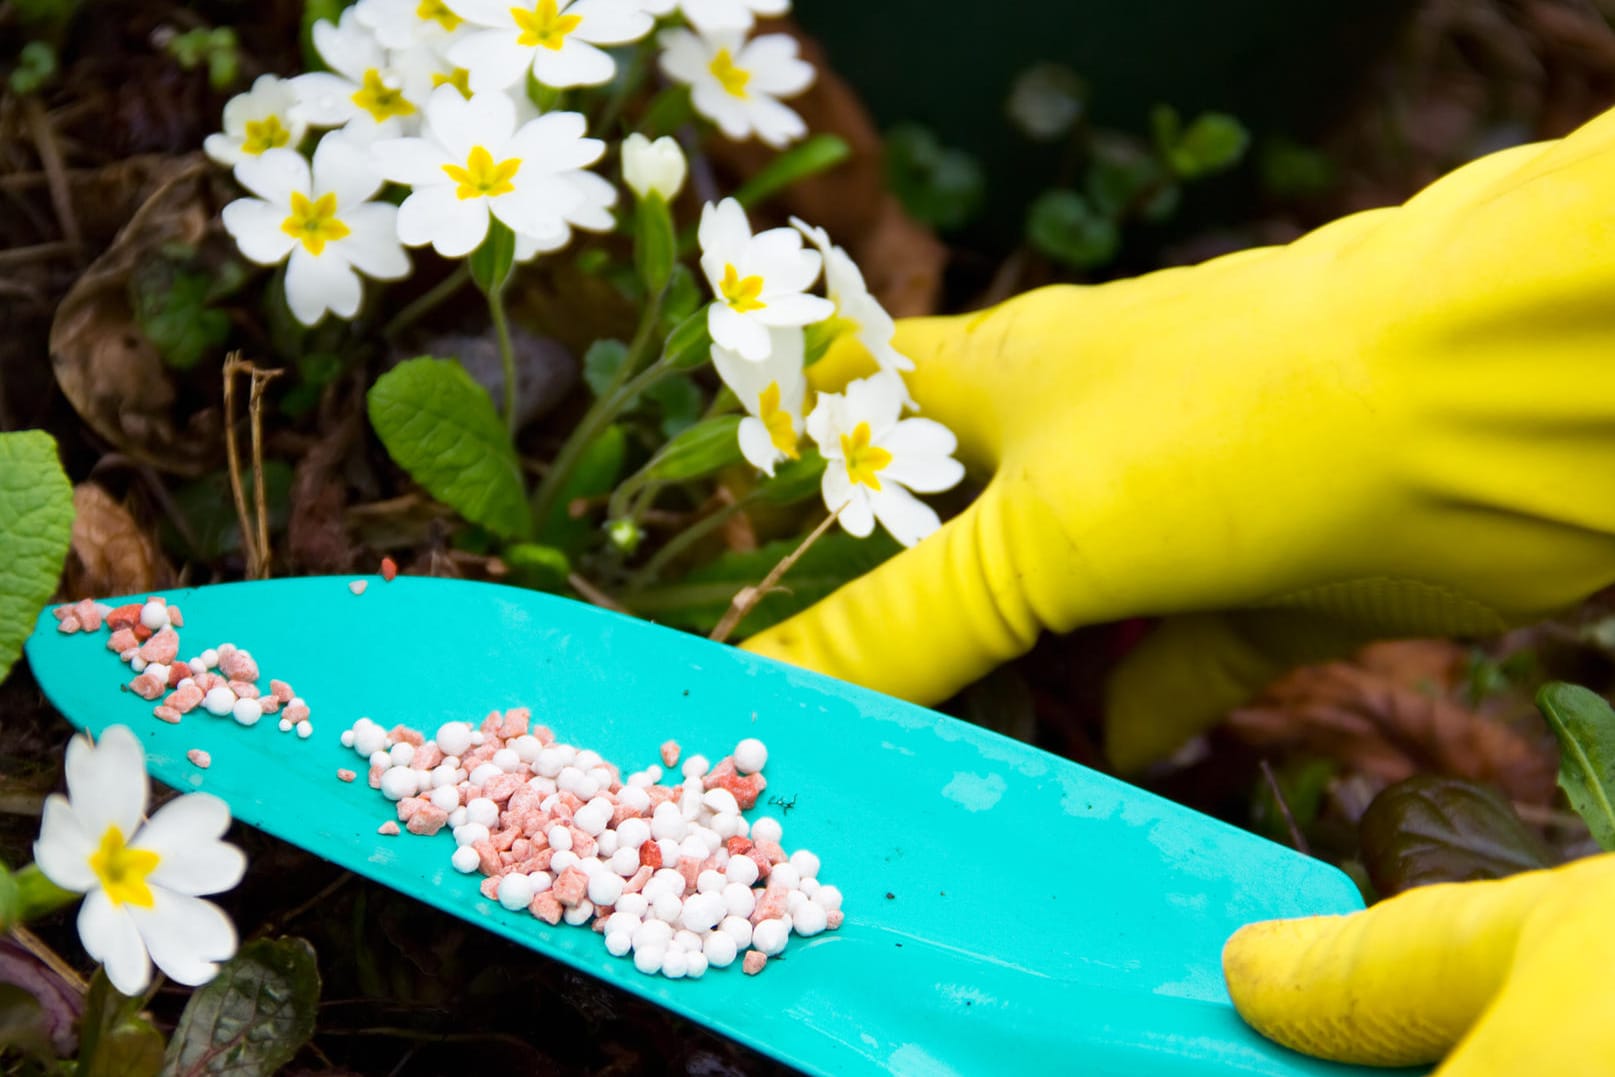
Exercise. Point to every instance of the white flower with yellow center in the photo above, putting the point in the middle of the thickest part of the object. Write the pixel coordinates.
(715, 16)
(857, 311)
(362, 93)
(403, 24)
(141, 879)
(737, 83)
(772, 392)
(873, 460)
(555, 39)
(760, 281)
(472, 160)
(266, 117)
(322, 219)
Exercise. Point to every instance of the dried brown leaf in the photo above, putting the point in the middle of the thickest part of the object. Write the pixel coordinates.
(107, 368)
(901, 259)
(111, 554)
(1389, 716)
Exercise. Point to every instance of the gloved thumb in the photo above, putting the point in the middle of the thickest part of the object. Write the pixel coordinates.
(1516, 969)
(1195, 668)
(930, 620)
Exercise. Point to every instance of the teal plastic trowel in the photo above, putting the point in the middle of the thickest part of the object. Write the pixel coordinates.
(1007, 911)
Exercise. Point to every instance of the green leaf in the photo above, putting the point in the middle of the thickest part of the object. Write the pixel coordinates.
(10, 900)
(679, 401)
(1291, 170)
(212, 526)
(251, 1018)
(114, 1040)
(1430, 829)
(819, 153)
(1585, 725)
(699, 600)
(1065, 227)
(941, 187)
(542, 568)
(595, 474)
(601, 363)
(655, 246)
(683, 297)
(1213, 142)
(36, 66)
(668, 111)
(699, 450)
(441, 427)
(36, 524)
(1121, 176)
(37, 895)
(689, 346)
(490, 263)
(794, 480)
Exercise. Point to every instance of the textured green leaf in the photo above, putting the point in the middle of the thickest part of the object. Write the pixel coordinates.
(818, 154)
(1063, 225)
(699, 600)
(1213, 142)
(595, 474)
(36, 525)
(938, 186)
(114, 1040)
(679, 401)
(1585, 725)
(441, 427)
(689, 346)
(1430, 829)
(601, 363)
(252, 1017)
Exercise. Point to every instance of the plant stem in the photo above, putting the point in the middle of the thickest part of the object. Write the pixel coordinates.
(427, 301)
(747, 599)
(507, 355)
(617, 394)
(681, 542)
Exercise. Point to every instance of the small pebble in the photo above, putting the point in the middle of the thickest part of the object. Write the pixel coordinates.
(346, 775)
(199, 758)
(357, 586)
(389, 828)
(389, 569)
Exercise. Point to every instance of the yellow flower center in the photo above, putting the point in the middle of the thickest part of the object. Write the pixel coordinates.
(265, 134)
(741, 292)
(437, 11)
(482, 176)
(864, 461)
(123, 870)
(459, 78)
(777, 421)
(733, 79)
(314, 223)
(544, 25)
(381, 101)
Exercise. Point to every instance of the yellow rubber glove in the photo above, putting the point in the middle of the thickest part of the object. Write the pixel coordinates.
(1400, 424)
(1514, 974)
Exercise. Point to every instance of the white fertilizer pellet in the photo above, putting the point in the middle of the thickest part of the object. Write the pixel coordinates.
(673, 877)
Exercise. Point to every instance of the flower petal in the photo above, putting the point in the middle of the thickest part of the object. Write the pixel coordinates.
(756, 445)
(575, 63)
(110, 937)
(344, 168)
(713, 16)
(493, 58)
(610, 22)
(452, 225)
(372, 245)
(683, 57)
(775, 68)
(905, 516)
(107, 782)
(417, 162)
(776, 124)
(315, 285)
(483, 12)
(186, 936)
(275, 175)
(324, 99)
(185, 836)
(795, 309)
(738, 332)
(64, 847)
(723, 234)
(593, 209)
(256, 227)
(555, 142)
(346, 46)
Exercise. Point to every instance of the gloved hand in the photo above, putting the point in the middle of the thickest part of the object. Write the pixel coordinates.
(1514, 974)
(1400, 424)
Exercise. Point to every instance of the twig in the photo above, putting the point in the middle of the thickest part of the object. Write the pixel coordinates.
(49, 958)
(39, 252)
(1296, 837)
(747, 599)
(255, 408)
(232, 363)
(50, 157)
(594, 594)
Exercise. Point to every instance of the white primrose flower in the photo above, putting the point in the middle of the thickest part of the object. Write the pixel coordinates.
(760, 281)
(323, 219)
(737, 83)
(772, 393)
(472, 160)
(857, 311)
(362, 93)
(657, 167)
(141, 879)
(403, 24)
(266, 117)
(556, 39)
(873, 460)
(713, 16)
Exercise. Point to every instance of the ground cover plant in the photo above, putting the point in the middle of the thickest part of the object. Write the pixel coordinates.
(537, 296)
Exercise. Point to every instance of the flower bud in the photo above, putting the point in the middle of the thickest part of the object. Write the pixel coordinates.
(652, 167)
